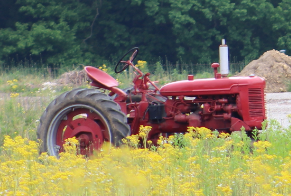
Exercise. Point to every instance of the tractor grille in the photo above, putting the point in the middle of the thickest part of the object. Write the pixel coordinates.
(256, 102)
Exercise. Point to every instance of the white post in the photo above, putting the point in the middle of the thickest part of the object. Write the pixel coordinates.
(223, 59)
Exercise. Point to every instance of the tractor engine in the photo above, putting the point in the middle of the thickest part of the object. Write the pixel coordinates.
(223, 104)
(217, 103)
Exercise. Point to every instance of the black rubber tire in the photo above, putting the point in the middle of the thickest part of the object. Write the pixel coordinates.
(90, 99)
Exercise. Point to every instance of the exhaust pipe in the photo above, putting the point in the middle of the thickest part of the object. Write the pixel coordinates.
(223, 59)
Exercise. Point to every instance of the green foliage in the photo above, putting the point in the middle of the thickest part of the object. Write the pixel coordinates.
(159, 69)
(204, 75)
(175, 74)
(48, 30)
(179, 140)
(87, 32)
(19, 118)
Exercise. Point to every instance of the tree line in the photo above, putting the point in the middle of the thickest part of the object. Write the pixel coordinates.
(91, 31)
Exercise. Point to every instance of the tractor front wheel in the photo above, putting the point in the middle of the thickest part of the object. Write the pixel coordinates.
(86, 114)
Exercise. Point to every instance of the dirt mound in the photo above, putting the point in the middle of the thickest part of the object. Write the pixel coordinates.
(275, 67)
(73, 78)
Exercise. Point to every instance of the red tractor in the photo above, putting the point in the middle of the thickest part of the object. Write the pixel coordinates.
(222, 103)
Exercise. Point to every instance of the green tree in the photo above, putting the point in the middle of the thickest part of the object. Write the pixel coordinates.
(250, 30)
(51, 29)
(283, 25)
(89, 31)
(125, 24)
(196, 25)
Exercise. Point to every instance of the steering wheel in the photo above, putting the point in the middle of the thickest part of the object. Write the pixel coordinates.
(122, 64)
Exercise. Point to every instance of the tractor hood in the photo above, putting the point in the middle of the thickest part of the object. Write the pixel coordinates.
(211, 86)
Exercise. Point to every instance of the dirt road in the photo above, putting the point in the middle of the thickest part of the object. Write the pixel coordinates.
(278, 107)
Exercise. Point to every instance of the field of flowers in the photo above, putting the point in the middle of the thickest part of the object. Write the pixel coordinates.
(198, 163)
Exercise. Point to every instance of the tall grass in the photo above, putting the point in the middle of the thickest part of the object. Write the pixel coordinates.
(19, 114)
(24, 95)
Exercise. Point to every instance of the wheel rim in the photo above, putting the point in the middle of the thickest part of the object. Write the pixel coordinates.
(84, 122)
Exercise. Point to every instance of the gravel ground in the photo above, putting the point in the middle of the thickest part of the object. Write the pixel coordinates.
(278, 107)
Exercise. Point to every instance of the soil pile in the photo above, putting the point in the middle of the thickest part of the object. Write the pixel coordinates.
(274, 67)
(73, 78)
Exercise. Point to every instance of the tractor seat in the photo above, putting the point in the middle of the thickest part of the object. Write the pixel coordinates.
(100, 76)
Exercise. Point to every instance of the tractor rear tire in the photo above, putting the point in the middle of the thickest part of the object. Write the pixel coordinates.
(86, 114)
